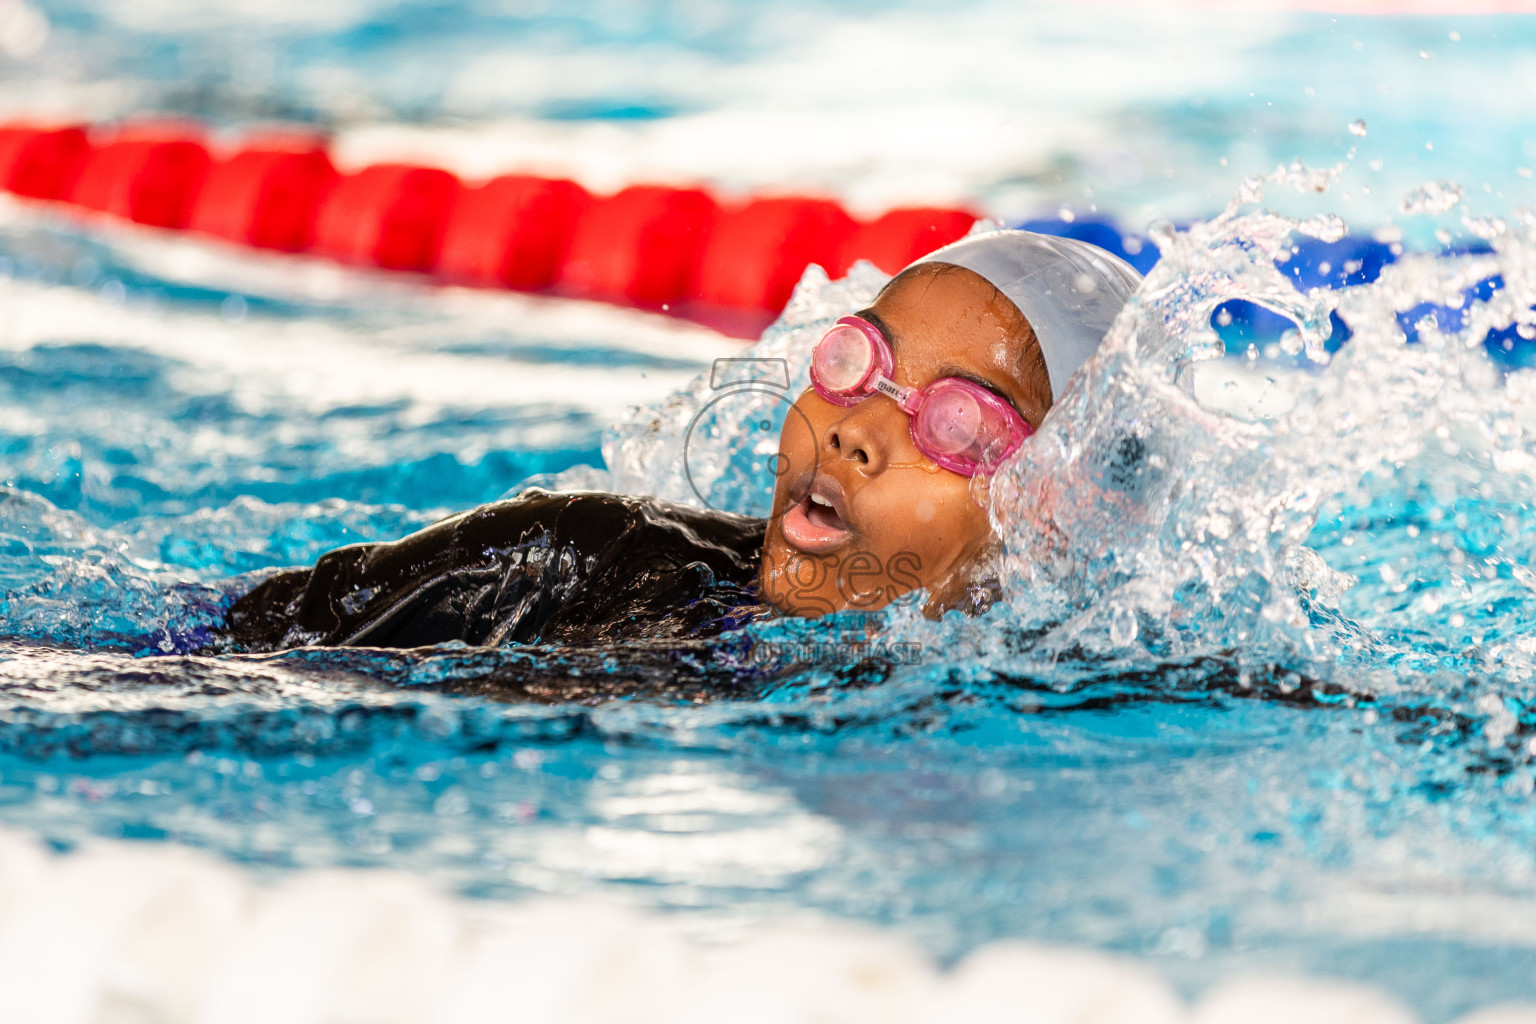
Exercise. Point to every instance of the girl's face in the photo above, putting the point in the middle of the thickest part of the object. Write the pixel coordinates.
(860, 516)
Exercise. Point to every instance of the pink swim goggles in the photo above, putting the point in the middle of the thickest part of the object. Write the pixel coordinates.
(960, 425)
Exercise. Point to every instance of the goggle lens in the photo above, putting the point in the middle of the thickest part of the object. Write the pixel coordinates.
(963, 431)
(844, 358)
(950, 421)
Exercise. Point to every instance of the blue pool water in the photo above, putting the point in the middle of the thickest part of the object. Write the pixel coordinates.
(1186, 737)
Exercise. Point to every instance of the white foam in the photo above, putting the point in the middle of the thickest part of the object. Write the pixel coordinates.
(1501, 1015)
(1291, 1000)
(144, 932)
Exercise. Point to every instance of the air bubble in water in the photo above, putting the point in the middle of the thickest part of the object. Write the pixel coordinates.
(1357, 126)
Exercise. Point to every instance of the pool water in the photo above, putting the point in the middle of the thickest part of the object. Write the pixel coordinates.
(1267, 707)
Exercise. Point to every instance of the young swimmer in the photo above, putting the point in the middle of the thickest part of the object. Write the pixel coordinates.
(942, 378)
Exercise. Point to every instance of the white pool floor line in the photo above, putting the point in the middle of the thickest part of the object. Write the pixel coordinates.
(161, 934)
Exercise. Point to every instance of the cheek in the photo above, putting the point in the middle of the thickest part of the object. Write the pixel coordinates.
(928, 516)
(797, 443)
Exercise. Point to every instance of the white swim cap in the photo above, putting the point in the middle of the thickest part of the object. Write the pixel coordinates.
(1069, 291)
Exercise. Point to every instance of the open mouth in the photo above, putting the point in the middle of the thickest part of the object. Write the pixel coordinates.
(815, 524)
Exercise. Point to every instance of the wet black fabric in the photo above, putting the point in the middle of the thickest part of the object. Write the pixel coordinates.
(542, 568)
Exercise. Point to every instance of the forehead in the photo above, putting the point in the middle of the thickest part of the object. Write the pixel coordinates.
(938, 312)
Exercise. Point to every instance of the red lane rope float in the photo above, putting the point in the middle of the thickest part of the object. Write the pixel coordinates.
(388, 215)
(149, 174)
(897, 238)
(731, 265)
(268, 196)
(41, 163)
(640, 247)
(758, 251)
(512, 232)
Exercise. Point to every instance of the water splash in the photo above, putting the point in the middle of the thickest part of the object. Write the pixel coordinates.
(1161, 488)
(1352, 502)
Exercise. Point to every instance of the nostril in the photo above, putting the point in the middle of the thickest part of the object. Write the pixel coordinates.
(853, 451)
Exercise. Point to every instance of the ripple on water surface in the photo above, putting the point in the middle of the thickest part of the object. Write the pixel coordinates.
(1262, 694)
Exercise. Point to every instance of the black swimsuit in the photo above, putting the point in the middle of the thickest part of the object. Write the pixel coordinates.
(541, 568)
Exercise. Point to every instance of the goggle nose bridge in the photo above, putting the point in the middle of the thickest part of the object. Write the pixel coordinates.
(907, 398)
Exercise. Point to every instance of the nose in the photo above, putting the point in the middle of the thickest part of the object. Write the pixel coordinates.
(863, 435)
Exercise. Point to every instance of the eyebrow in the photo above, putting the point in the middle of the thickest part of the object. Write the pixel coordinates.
(946, 370)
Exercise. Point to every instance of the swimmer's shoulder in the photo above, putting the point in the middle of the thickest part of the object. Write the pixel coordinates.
(363, 593)
(590, 519)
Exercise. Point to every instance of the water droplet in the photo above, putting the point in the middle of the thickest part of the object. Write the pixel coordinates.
(1453, 36)
(1432, 197)
(1357, 126)
(1122, 625)
(1326, 227)
(233, 308)
(1424, 55)
(1066, 215)
(1486, 227)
